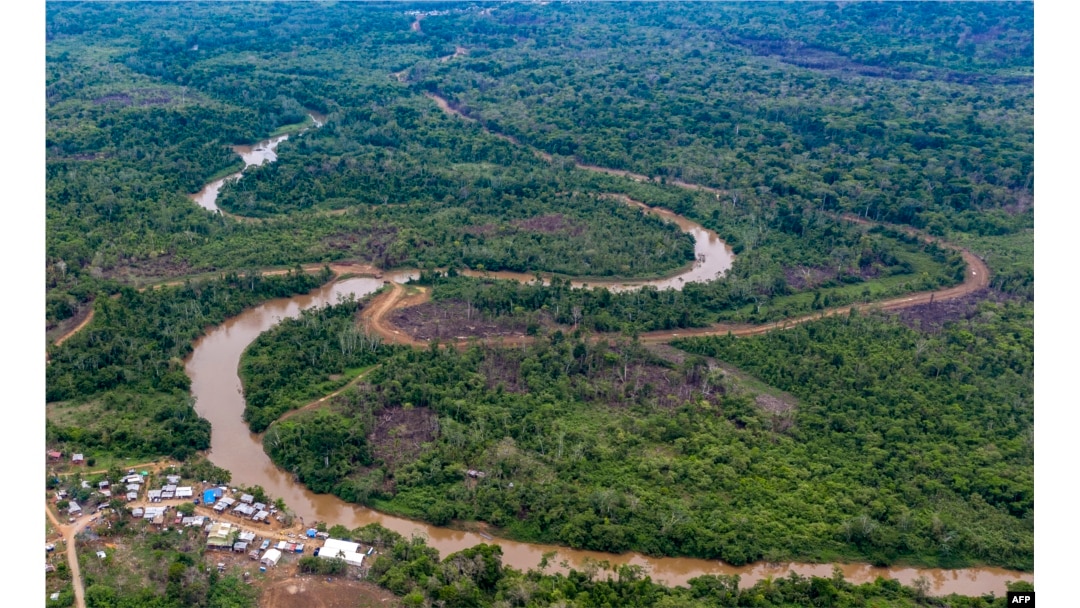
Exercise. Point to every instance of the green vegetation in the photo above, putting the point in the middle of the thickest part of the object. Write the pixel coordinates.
(476, 577)
(778, 279)
(906, 447)
(919, 115)
(305, 358)
(149, 568)
(118, 387)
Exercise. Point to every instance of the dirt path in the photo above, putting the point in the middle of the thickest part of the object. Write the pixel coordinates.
(321, 400)
(976, 278)
(89, 317)
(374, 316)
(68, 532)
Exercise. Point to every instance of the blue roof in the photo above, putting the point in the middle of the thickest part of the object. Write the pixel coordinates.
(208, 497)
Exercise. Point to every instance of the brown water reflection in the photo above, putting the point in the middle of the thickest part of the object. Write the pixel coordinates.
(215, 384)
(262, 152)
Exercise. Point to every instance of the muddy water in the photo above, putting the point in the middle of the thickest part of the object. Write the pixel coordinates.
(263, 152)
(712, 258)
(215, 384)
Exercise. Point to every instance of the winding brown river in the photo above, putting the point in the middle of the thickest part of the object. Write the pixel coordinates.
(216, 386)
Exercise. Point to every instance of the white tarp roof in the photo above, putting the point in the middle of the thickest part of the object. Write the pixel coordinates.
(271, 555)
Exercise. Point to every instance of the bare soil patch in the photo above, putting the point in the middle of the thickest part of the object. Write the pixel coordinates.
(400, 434)
(803, 277)
(550, 224)
(773, 400)
(311, 591)
(933, 316)
(452, 320)
(163, 266)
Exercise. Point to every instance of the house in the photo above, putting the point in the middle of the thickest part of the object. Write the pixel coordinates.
(132, 496)
(247, 537)
(220, 507)
(106, 493)
(173, 479)
(228, 502)
(137, 512)
(271, 557)
(74, 508)
(247, 498)
(77, 459)
(184, 492)
(261, 516)
(54, 455)
(132, 487)
(103, 485)
(220, 535)
(245, 510)
(211, 495)
(350, 552)
(259, 506)
(154, 495)
(153, 513)
(240, 547)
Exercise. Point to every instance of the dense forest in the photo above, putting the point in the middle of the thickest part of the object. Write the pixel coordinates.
(902, 441)
(477, 577)
(812, 138)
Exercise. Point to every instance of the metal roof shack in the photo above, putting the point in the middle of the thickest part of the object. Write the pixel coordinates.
(184, 492)
(244, 510)
(220, 535)
(247, 536)
(154, 495)
(137, 512)
(173, 479)
(240, 547)
(248, 498)
(77, 458)
(73, 508)
(261, 516)
(132, 496)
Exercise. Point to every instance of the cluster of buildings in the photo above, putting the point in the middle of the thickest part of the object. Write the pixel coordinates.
(245, 507)
(170, 490)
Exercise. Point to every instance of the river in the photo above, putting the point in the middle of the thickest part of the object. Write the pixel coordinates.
(263, 152)
(213, 366)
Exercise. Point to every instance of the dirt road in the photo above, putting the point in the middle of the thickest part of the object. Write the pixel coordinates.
(976, 278)
(68, 532)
